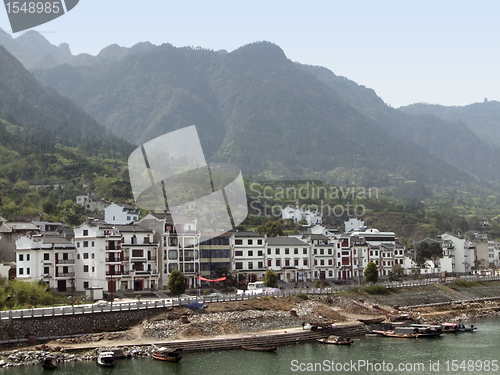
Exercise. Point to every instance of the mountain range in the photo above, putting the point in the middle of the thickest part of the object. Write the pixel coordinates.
(273, 117)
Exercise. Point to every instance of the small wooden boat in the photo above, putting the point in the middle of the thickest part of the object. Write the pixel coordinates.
(337, 340)
(408, 332)
(167, 354)
(463, 328)
(106, 359)
(399, 318)
(261, 348)
(449, 327)
(49, 363)
(372, 320)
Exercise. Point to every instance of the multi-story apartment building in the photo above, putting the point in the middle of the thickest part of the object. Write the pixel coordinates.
(137, 262)
(289, 257)
(46, 258)
(181, 251)
(115, 258)
(248, 252)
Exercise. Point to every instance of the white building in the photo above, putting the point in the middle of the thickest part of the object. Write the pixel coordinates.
(120, 214)
(289, 257)
(297, 214)
(115, 258)
(50, 259)
(181, 251)
(91, 203)
(462, 253)
(248, 255)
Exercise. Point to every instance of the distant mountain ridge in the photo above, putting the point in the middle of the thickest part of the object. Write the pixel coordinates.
(482, 118)
(256, 108)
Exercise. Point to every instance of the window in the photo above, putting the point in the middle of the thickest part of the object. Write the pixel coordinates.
(137, 253)
(85, 284)
(46, 256)
(172, 254)
(250, 253)
(269, 263)
(250, 242)
(93, 269)
(128, 218)
(21, 271)
(259, 253)
(268, 251)
(304, 250)
(277, 251)
(260, 265)
(278, 262)
(172, 267)
(296, 251)
(93, 244)
(239, 265)
(85, 268)
(259, 242)
(329, 251)
(330, 262)
(27, 271)
(330, 273)
(85, 243)
(287, 262)
(238, 242)
(250, 265)
(322, 262)
(21, 257)
(287, 250)
(172, 241)
(85, 255)
(27, 257)
(321, 251)
(78, 244)
(93, 255)
(305, 262)
(85, 232)
(77, 256)
(238, 253)
(46, 270)
(296, 262)
(65, 269)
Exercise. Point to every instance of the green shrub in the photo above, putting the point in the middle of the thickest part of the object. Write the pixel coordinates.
(303, 296)
(376, 290)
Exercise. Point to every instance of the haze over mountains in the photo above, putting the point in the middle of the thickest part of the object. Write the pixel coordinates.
(272, 117)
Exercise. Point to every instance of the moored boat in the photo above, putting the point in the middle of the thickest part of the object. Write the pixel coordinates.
(449, 327)
(167, 354)
(337, 340)
(463, 328)
(49, 363)
(410, 332)
(106, 359)
(261, 348)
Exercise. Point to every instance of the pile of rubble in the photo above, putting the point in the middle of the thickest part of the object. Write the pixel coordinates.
(32, 357)
(231, 322)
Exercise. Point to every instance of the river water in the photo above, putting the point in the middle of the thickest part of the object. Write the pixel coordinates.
(461, 353)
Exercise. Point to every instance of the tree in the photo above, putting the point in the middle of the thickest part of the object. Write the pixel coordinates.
(271, 229)
(429, 251)
(397, 269)
(415, 271)
(371, 272)
(177, 283)
(270, 279)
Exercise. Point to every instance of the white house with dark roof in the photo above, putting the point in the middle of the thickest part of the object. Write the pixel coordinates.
(46, 258)
(248, 255)
(120, 214)
(289, 257)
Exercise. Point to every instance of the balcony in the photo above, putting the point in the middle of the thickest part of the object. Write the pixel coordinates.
(113, 260)
(65, 261)
(63, 275)
(113, 273)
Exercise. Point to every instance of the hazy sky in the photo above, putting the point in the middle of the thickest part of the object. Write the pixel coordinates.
(443, 52)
